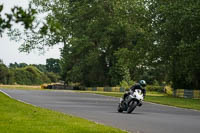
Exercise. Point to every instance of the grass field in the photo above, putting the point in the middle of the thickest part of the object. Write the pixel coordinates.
(17, 117)
(174, 101)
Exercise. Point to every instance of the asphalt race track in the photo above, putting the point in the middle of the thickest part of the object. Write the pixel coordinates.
(150, 118)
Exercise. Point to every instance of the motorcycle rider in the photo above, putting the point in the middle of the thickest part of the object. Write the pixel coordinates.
(141, 85)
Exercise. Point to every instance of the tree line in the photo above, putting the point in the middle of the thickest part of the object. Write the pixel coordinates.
(24, 74)
(108, 42)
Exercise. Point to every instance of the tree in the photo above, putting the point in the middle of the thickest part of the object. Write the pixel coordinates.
(91, 31)
(53, 65)
(16, 65)
(41, 67)
(6, 75)
(1, 61)
(18, 15)
(152, 39)
(175, 25)
(3, 74)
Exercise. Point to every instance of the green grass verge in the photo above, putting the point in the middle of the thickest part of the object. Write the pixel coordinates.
(161, 98)
(17, 117)
(21, 87)
(174, 101)
(120, 94)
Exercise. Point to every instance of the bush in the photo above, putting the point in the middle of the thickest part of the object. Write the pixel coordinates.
(53, 77)
(155, 88)
(45, 78)
(30, 75)
(10, 77)
(76, 86)
(23, 77)
(79, 88)
(126, 82)
(36, 72)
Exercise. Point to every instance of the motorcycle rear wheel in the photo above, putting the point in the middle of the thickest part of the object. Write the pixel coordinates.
(119, 109)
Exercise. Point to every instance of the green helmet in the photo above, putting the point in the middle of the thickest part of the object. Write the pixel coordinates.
(142, 83)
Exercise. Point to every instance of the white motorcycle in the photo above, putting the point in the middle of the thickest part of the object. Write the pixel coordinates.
(131, 102)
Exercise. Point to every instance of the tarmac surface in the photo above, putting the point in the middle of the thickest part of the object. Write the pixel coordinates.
(150, 118)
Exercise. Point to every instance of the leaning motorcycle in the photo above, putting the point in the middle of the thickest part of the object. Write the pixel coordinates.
(131, 102)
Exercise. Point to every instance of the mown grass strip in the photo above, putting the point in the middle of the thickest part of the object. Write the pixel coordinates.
(120, 94)
(21, 87)
(17, 117)
(161, 98)
(174, 101)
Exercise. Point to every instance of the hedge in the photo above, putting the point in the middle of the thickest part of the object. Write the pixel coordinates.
(155, 88)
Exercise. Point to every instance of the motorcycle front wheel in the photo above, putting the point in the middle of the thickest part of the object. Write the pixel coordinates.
(132, 106)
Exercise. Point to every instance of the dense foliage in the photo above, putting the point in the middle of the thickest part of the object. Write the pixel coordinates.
(6, 76)
(175, 24)
(53, 65)
(17, 15)
(26, 74)
(108, 42)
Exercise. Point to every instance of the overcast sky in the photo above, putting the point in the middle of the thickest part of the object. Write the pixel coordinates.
(9, 49)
